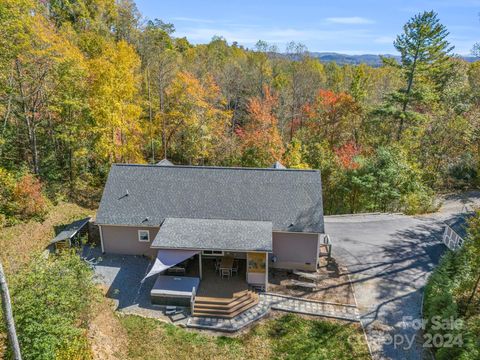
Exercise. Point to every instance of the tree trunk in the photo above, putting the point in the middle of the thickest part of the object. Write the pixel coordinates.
(32, 136)
(8, 314)
(407, 94)
(150, 114)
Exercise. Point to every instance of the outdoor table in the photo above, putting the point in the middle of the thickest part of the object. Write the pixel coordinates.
(226, 263)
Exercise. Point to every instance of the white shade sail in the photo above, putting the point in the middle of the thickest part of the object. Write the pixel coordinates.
(167, 258)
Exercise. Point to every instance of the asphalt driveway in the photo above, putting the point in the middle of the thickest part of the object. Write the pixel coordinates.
(389, 258)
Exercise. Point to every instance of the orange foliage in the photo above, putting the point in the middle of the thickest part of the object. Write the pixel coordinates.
(29, 197)
(261, 132)
(333, 116)
(346, 155)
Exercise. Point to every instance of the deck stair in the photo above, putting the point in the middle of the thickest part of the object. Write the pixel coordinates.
(225, 307)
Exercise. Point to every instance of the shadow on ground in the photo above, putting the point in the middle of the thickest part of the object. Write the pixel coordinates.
(122, 276)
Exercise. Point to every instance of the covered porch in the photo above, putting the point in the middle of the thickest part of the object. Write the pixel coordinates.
(228, 257)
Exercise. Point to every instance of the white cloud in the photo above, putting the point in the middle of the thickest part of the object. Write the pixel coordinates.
(193, 20)
(353, 20)
(384, 40)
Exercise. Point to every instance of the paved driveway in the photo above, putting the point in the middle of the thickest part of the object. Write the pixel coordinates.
(389, 258)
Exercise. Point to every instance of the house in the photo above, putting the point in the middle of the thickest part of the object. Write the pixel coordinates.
(262, 218)
(456, 231)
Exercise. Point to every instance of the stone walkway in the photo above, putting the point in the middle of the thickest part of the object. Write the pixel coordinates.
(269, 301)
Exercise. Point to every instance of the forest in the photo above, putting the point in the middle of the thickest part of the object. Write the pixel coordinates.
(87, 83)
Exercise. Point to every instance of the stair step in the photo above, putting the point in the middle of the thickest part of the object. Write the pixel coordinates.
(220, 301)
(229, 315)
(233, 308)
(224, 310)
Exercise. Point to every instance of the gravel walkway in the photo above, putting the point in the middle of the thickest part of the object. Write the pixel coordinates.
(269, 301)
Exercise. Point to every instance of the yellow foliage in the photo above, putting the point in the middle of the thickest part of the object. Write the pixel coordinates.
(113, 99)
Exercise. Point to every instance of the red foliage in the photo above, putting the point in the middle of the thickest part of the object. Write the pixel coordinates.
(346, 155)
(29, 198)
(261, 131)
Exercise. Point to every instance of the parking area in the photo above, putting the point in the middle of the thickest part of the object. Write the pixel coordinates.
(389, 258)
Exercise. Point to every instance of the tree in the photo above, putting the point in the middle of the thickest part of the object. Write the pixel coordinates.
(194, 122)
(424, 52)
(261, 143)
(113, 101)
(159, 62)
(333, 117)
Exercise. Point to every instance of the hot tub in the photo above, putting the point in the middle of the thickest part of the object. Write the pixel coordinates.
(173, 290)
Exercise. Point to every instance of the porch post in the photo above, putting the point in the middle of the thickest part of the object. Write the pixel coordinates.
(200, 263)
(266, 271)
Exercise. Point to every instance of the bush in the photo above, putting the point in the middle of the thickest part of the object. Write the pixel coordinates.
(21, 198)
(51, 302)
(447, 294)
(419, 202)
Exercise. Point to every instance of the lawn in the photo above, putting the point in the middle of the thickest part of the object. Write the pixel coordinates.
(280, 337)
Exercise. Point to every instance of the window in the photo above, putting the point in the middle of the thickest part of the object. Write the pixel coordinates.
(144, 235)
(212, 253)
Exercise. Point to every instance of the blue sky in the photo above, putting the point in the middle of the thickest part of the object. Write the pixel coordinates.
(351, 27)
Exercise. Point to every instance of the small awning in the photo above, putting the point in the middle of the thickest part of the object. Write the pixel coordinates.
(214, 234)
(70, 230)
(167, 258)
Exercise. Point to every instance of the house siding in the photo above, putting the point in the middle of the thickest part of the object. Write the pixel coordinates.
(295, 251)
(124, 240)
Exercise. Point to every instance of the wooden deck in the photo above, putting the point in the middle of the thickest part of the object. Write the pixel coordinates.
(213, 286)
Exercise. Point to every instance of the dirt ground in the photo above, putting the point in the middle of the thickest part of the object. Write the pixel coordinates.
(107, 337)
(333, 284)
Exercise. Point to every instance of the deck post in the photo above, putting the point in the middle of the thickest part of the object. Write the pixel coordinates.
(200, 263)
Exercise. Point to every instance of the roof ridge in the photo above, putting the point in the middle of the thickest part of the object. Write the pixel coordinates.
(217, 219)
(213, 167)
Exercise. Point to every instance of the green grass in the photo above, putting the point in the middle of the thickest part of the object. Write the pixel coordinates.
(286, 337)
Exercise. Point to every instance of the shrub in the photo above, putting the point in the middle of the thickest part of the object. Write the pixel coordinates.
(51, 302)
(447, 295)
(29, 199)
(21, 198)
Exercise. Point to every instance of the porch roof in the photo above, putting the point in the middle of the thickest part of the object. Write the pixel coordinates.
(214, 234)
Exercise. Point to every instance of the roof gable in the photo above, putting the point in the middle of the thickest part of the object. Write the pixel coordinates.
(144, 195)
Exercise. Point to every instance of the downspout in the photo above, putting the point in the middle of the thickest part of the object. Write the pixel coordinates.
(101, 238)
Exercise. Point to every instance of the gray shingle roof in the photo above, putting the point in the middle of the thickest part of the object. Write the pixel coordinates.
(459, 224)
(144, 195)
(208, 234)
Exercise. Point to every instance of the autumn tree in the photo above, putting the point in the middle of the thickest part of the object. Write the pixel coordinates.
(114, 104)
(333, 117)
(261, 143)
(194, 120)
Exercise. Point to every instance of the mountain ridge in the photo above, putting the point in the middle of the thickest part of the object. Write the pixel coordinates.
(369, 59)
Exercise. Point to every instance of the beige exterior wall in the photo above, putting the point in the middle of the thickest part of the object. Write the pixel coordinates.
(295, 251)
(124, 240)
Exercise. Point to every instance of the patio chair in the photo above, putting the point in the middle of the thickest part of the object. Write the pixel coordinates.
(217, 266)
(235, 267)
(225, 273)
